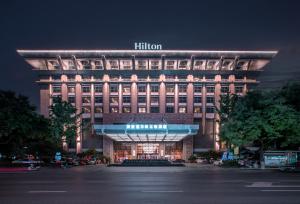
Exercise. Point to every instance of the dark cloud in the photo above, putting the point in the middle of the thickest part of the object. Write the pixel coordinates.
(225, 25)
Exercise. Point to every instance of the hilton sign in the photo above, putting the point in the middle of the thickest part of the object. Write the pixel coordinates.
(147, 46)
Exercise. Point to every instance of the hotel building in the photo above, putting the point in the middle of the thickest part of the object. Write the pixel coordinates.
(145, 104)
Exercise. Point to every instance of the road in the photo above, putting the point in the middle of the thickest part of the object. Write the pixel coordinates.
(149, 185)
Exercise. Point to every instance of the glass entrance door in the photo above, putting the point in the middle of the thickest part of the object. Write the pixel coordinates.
(148, 151)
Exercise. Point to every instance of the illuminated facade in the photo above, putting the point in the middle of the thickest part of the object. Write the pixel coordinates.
(145, 104)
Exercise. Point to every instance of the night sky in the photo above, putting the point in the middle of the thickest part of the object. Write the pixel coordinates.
(213, 25)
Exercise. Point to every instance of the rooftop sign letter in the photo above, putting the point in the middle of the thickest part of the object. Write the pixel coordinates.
(147, 46)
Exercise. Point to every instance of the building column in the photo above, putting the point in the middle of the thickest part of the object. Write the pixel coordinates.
(148, 98)
(231, 85)
(64, 88)
(187, 147)
(190, 98)
(120, 98)
(162, 97)
(203, 95)
(108, 148)
(45, 100)
(105, 94)
(92, 104)
(245, 86)
(134, 98)
(78, 97)
(217, 117)
(162, 150)
(134, 151)
(176, 98)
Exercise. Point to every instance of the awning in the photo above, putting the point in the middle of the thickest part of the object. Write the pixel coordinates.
(147, 132)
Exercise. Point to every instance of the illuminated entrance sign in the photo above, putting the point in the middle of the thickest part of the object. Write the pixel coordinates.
(147, 46)
(145, 126)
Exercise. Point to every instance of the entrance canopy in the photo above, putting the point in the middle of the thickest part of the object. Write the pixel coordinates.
(147, 132)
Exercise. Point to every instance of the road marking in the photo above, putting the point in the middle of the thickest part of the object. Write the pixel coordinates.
(270, 185)
(280, 190)
(47, 191)
(179, 191)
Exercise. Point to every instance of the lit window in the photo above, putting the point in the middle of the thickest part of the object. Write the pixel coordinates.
(170, 64)
(142, 110)
(71, 89)
(169, 99)
(127, 64)
(183, 64)
(155, 64)
(154, 99)
(86, 99)
(114, 100)
(114, 109)
(197, 109)
(113, 64)
(199, 65)
(86, 109)
(141, 64)
(182, 109)
(170, 88)
(85, 64)
(126, 109)
(126, 88)
(53, 64)
(212, 65)
(98, 109)
(98, 64)
(71, 65)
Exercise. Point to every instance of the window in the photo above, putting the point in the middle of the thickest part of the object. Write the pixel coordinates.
(182, 99)
(197, 99)
(54, 64)
(86, 109)
(126, 88)
(182, 88)
(98, 99)
(127, 64)
(98, 64)
(197, 89)
(224, 89)
(154, 64)
(182, 110)
(126, 109)
(142, 110)
(154, 99)
(197, 109)
(114, 109)
(98, 109)
(142, 88)
(85, 64)
(170, 88)
(210, 89)
(169, 99)
(71, 89)
(210, 99)
(141, 99)
(86, 89)
(169, 109)
(114, 100)
(86, 99)
(170, 64)
(71, 99)
(199, 64)
(98, 88)
(210, 109)
(239, 89)
(154, 88)
(56, 89)
(114, 64)
(142, 64)
(183, 64)
(154, 109)
(126, 99)
(114, 88)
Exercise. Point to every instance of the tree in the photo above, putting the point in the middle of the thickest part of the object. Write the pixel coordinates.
(264, 119)
(20, 125)
(63, 119)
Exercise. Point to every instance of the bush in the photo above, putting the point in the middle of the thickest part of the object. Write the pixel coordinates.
(230, 163)
(192, 158)
(210, 155)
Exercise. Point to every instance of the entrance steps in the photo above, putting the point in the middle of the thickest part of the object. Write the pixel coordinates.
(146, 162)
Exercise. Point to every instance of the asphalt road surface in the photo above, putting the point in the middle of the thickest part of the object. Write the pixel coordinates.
(150, 185)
